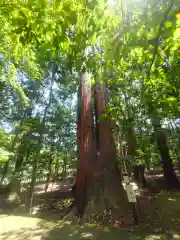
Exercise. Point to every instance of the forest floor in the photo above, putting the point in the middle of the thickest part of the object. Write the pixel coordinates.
(158, 213)
(24, 228)
(158, 208)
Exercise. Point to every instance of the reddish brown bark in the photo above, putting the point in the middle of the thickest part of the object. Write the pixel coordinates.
(106, 141)
(85, 142)
(107, 160)
(97, 177)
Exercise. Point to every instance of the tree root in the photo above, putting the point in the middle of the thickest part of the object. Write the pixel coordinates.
(101, 211)
(71, 211)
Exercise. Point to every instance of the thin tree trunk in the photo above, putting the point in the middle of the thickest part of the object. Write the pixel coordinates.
(64, 171)
(30, 196)
(39, 145)
(5, 169)
(19, 161)
(131, 140)
(138, 170)
(139, 177)
(176, 130)
(131, 146)
(50, 160)
(49, 173)
(169, 173)
(56, 169)
(15, 182)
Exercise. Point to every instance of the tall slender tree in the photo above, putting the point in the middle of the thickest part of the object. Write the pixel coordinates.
(86, 143)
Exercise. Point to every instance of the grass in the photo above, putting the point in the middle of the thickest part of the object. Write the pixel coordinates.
(26, 228)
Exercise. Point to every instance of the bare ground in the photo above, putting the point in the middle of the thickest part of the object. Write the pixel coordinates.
(158, 209)
(25, 228)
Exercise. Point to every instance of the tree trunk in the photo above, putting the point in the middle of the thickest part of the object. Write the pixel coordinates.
(85, 142)
(107, 174)
(39, 145)
(132, 144)
(5, 169)
(64, 171)
(139, 177)
(14, 185)
(147, 162)
(50, 160)
(98, 184)
(49, 173)
(56, 170)
(169, 173)
(30, 194)
(131, 140)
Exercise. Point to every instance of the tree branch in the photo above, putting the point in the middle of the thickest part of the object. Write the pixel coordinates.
(155, 52)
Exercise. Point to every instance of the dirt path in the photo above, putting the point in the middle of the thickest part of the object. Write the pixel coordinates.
(157, 209)
(63, 186)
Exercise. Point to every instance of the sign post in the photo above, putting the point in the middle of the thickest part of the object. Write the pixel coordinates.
(131, 197)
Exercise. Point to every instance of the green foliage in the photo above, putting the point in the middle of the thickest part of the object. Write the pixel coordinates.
(134, 50)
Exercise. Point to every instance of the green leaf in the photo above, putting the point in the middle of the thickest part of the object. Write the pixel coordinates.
(168, 24)
(171, 99)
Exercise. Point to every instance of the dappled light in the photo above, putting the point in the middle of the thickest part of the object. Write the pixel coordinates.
(36, 229)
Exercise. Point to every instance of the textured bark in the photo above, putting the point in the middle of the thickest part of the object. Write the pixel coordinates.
(108, 175)
(85, 142)
(98, 184)
(169, 173)
(106, 141)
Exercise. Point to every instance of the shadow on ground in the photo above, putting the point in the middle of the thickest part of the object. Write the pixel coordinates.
(24, 228)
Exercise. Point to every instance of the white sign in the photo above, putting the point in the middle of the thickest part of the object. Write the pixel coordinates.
(126, 179)
(130, 193)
